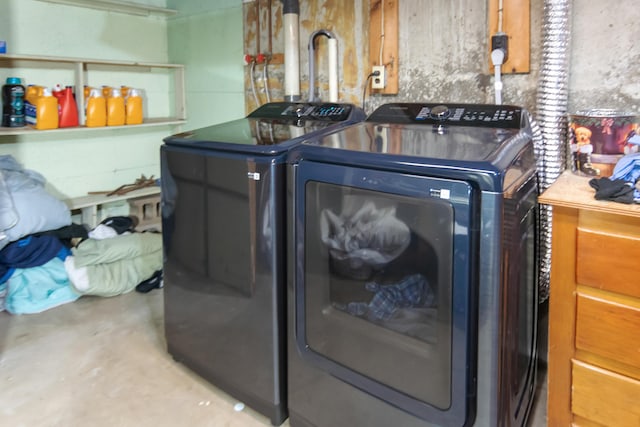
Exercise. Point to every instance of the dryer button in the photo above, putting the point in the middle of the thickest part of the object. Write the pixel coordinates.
(440, 112)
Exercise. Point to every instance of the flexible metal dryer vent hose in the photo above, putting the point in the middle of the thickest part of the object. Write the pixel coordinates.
(550, 132)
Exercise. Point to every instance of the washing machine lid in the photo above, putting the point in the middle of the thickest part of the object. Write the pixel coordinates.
(271, 129)
(412, 137)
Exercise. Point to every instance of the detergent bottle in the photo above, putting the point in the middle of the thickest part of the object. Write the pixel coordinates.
(96, 109)
(115, 108)
(58, 92)
(13, 103)
(31, 95)
(133, 107)
(67, 107)
(86, 91)
(47, 116)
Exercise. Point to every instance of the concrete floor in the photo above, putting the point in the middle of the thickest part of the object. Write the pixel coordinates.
(102, 362)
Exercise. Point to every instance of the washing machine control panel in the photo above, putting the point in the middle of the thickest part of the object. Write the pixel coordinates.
(333, 112)
(477, 115)
(304, 111)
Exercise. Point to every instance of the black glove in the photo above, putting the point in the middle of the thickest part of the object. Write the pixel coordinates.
(617, 190)
(151, 283)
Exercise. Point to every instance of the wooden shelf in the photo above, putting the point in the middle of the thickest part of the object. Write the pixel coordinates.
(117, 6)
(88, 205)
(80, 69)
(73, 60)
(30, 130)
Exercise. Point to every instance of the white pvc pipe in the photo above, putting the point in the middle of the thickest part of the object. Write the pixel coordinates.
(333, 69)
(291, 57)
(296, 131)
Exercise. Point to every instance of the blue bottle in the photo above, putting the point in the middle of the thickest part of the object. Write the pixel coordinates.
(13, 103)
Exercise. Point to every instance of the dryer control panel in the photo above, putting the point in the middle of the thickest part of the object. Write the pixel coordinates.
(303, 111)
(477, 115)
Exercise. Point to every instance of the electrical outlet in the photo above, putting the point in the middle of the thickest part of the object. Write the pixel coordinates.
(379, 81)
(500, 41)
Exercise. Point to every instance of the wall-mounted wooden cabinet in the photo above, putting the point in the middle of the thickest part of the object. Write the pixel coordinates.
(79, 71)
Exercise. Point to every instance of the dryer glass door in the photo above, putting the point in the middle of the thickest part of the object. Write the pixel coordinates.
(384, 295)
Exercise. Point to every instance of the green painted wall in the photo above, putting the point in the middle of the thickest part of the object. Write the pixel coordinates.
(207, 36)
(88, 160)
(204, 35)
(192, 7)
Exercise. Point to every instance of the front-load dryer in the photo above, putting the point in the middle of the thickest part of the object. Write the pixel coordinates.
(413, 274)
(223, 222)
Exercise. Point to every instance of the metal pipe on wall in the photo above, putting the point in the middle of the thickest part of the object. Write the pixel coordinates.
(332, 45)
(552, 106)
(333, 69)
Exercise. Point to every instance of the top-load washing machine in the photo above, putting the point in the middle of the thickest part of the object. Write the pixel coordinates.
(223, 221)
(413, 270)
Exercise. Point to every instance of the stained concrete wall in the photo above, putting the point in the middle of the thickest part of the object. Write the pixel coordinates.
(347, 20)
(443, 52)
(605, 55)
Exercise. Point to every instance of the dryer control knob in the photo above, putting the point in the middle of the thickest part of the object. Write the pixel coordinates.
(440, 112)
(299, 110)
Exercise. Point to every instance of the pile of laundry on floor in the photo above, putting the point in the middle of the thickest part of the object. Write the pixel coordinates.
(46, 260)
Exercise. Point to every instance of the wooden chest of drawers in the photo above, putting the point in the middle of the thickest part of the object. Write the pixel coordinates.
(594, 308)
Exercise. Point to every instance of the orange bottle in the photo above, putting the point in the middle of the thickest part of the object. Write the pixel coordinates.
(115, 108)
(96, 110)
(133, 107)
(47, 111)
(31, 95)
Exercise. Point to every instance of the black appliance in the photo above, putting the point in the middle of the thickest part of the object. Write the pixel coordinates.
(412, 285)
(223, 220)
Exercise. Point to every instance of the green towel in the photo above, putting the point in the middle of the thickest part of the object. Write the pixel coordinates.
(116, 265)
